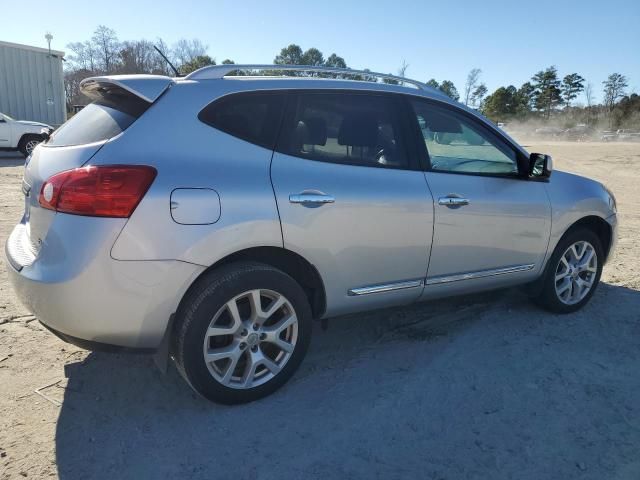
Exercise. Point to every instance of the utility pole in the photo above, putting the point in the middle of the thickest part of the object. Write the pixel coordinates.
(48, 37)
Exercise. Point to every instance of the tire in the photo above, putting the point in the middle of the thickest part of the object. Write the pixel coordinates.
(28, 143)
(230, 377)
(549, 297)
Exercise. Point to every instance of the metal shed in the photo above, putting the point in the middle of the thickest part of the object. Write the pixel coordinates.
(32, 83)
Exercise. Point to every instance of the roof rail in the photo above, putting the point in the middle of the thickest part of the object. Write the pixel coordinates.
(220, 71)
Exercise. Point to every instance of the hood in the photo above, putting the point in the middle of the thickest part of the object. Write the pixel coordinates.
(33, 124)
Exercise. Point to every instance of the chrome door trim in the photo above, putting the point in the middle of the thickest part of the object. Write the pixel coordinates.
(385, 287)
(479, 274)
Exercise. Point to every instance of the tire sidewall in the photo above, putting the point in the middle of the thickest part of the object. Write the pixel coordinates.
(207, 298)
(549, 297)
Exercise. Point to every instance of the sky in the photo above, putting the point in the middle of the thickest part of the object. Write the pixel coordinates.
(508, 40)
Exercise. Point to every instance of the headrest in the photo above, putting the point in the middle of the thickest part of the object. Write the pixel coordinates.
(316, 133)
(311, 131)
(358, 130)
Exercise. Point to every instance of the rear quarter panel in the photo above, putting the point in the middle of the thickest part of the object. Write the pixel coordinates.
(189, 154)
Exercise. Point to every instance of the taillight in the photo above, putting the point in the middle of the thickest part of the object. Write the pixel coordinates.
(97, 191)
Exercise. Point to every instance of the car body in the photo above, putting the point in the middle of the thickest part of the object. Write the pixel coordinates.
(21, 135)
(357, 212)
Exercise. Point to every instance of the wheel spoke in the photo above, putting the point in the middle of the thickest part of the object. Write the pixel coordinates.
(249, 371)
(233, 363)
(565, 284)
(585, 261)
(283, 345)
(222, 353)
(270, 365)
(274, 307)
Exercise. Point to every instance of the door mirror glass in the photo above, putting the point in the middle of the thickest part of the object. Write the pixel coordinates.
(540, 165)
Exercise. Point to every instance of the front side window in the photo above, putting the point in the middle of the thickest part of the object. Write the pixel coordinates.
(457, 144)
(353, 129)
(254, 117)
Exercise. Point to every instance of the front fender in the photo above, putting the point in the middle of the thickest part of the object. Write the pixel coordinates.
(573, 198)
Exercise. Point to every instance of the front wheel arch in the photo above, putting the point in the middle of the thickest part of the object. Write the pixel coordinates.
(597, 225)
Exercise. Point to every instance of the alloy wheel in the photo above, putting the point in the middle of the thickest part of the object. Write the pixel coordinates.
(31, 145)
(250, 339)
(576, 272)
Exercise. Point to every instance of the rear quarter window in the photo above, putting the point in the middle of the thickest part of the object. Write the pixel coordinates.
(100, 120)
(254, 117)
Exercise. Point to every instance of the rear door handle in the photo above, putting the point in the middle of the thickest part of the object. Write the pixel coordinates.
(453, 201)
(311, 198)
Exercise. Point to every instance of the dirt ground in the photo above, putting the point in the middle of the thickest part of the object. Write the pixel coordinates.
(480, 387)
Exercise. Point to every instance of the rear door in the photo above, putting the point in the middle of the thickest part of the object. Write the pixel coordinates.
(491, 224)
(352, 198)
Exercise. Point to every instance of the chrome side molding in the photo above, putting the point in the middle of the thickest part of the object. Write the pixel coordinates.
(385, 287)
(479, 274)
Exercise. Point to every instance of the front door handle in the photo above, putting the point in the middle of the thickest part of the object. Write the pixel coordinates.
(453, 201)
(311, 198)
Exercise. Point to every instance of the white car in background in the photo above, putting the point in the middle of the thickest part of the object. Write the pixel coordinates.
(21, 135)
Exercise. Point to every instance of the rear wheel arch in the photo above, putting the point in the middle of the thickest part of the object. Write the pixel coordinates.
(294, 265)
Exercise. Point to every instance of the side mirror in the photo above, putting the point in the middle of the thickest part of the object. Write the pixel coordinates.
(540, 165)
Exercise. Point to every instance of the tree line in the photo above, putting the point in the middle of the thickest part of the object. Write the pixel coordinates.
(546, 97)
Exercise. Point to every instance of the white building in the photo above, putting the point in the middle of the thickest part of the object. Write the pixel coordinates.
(32, 83)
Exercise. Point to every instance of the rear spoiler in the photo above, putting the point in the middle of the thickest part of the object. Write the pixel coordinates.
(145, 87)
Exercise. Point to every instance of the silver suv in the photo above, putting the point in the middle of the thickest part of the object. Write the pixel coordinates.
(210, 218)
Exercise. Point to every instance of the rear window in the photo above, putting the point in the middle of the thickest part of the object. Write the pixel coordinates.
(254, 117)
(101, 120)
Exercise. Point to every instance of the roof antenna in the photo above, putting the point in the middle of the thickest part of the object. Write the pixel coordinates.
(167, 60)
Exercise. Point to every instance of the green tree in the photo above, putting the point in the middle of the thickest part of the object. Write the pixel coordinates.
(547, 93)
(501, 104)
(291, 55)
(478, 94)
(572, 86)
(335, 61)
(524, 100)
(449, 89)
(433, 83)
(198, 62)
(312, 57)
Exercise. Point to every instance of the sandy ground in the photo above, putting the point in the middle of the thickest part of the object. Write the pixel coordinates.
(480, 387)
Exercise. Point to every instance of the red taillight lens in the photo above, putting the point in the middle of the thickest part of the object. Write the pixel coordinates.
(97, 191)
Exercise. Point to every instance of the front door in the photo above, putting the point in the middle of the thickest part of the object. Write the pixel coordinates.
(492, 225)
(351, 199)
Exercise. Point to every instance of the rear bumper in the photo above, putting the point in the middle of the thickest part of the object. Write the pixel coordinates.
(75, 288)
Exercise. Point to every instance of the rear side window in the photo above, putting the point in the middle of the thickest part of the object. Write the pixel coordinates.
(101, 120)
(254, 117)
(353, 129)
